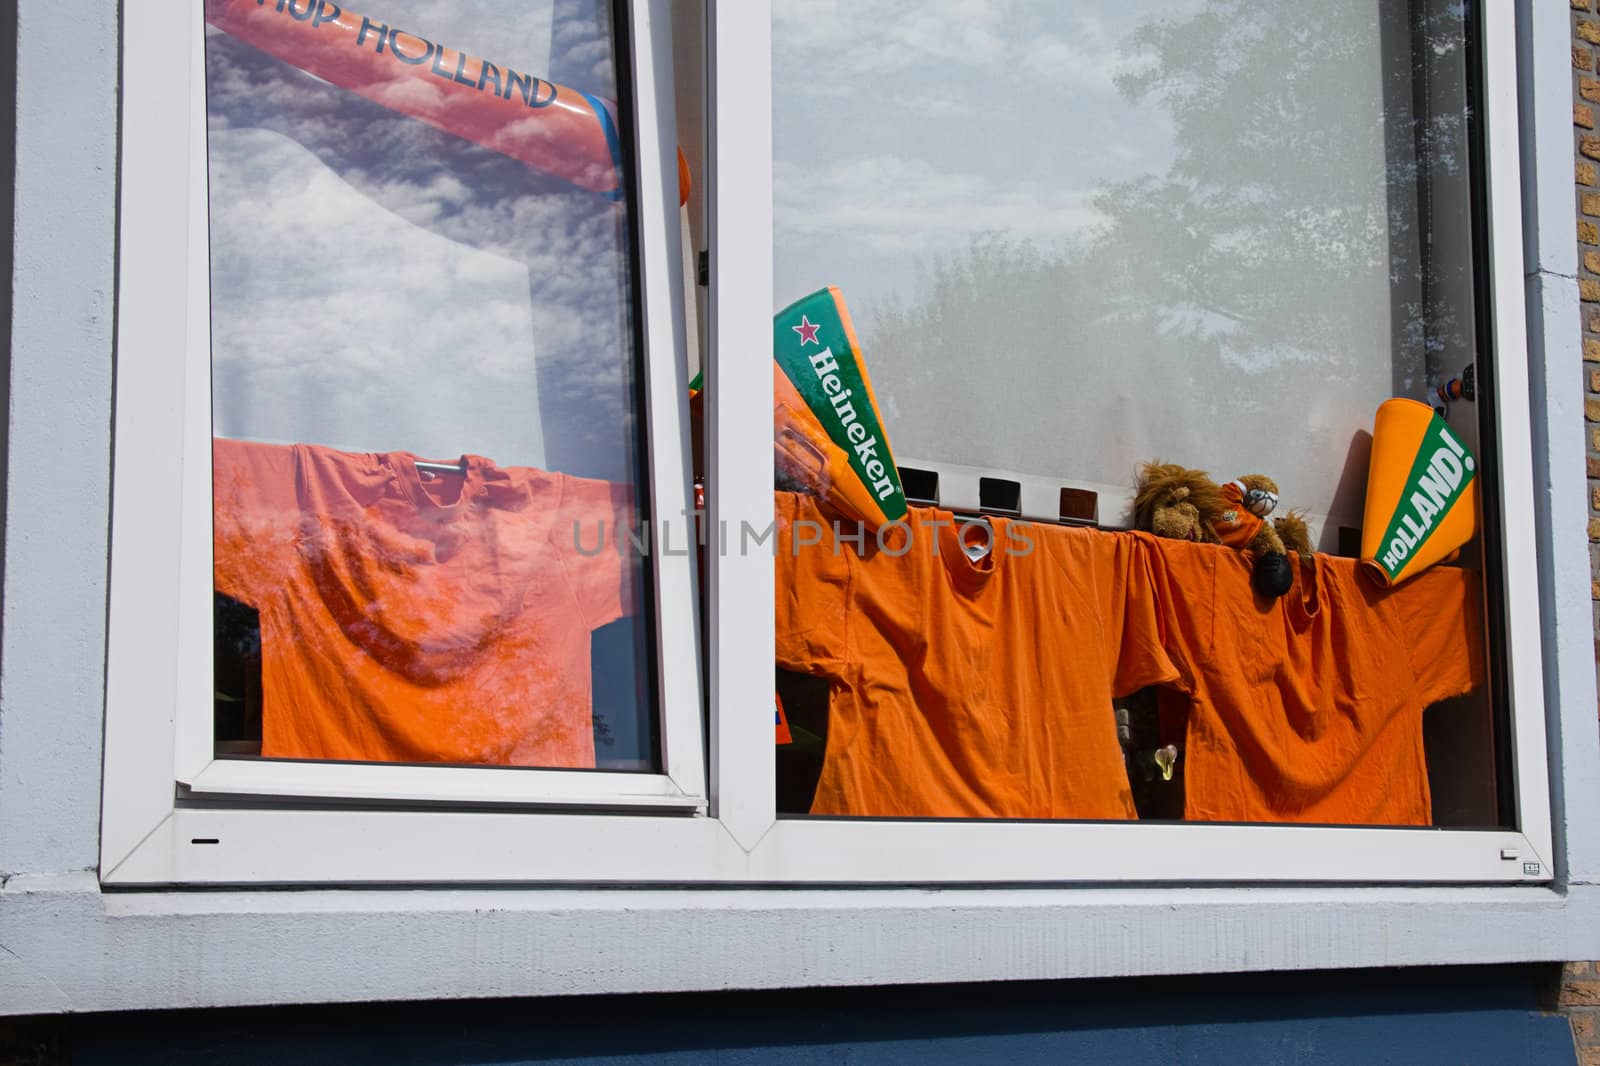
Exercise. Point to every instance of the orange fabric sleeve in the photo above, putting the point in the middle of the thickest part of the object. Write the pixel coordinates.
(591, 537)
(812, 586)
(256, 519)
(1183, 581)
(1130, 609)
(1439, 616)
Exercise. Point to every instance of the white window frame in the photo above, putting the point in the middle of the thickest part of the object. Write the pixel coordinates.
(159, 736)
(737, 838)
(849, 850)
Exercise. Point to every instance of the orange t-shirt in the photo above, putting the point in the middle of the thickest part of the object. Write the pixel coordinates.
(409, 620)
(1308, 708)
(962, 689)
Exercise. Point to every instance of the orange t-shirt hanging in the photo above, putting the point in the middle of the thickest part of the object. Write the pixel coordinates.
(963, 689)
(412, 620)
(1308, 708)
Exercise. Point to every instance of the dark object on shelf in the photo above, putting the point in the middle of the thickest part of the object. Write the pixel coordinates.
(1350, 542)
(920, 486)
(1080, 507)
(999, 496)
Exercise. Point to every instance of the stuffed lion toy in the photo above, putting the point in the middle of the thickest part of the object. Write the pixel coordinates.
(1182, 504)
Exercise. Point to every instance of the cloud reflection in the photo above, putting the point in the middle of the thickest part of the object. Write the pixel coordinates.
(378, 284)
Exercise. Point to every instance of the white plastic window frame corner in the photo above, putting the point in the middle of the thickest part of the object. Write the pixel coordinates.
(171, 811)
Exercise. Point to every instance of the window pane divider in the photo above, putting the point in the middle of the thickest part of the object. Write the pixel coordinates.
(666, 385)
(739, 420)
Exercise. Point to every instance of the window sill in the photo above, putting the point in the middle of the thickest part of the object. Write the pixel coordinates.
(69, 947)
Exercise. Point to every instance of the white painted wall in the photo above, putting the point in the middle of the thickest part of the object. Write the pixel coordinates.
(52, 658)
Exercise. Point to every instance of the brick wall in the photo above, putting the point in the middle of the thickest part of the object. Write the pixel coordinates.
(1579, 996)
(1585, 101)
(1579, 1000)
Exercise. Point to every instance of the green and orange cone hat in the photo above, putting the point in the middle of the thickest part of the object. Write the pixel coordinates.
(1422, 492)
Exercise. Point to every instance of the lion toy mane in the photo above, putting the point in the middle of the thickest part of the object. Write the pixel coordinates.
(1182, 504)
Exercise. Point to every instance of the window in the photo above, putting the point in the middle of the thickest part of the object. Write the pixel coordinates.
(426, 377)
(184, 806)
(447, 603)
(1081, 239)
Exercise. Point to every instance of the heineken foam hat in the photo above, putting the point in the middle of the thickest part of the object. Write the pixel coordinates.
(827, 433)
(1422, 492)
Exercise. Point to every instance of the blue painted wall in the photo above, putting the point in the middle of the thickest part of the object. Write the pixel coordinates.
(1465, 1016)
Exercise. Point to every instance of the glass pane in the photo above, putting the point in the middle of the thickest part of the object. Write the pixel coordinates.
(425, 386)
(1075, 239)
